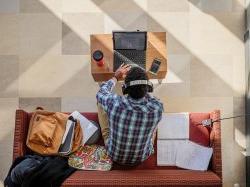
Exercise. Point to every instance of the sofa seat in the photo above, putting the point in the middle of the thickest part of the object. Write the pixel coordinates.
(124, 178)
(147, 173)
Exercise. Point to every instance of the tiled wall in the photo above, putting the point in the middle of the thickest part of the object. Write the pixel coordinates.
(44, 60)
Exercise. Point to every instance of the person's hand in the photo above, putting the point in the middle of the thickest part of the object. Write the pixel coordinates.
(122, 71)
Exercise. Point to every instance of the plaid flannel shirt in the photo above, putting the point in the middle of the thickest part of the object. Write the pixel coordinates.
(131, 124)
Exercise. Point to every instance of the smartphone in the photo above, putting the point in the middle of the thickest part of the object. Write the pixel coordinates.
(155, 66)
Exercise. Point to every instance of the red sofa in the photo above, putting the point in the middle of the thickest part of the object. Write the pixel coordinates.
(148, 173)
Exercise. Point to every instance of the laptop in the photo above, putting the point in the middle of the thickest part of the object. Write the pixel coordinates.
(129, 48)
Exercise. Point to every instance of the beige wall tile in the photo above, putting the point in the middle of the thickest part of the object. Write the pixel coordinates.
(211, 75)
(9, 71)
(9, 34)
(124, 21)
(40, 34)
(10, 6)
(29, 104)
(7, 121)
(81, 104)
(168, 5)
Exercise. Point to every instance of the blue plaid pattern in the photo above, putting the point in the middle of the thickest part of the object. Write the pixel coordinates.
(131, 123)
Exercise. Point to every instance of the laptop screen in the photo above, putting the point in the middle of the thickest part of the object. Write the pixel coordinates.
(130, 40)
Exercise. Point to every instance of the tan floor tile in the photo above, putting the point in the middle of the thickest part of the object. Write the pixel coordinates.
(177, 34)
(124, 21)
(61, 76)
(72, 43)
(40, 34)
(79, 6)
(211, 75)
(39, 6)
(10, 6)
(9, 71)
(7, 121)
(81, 82)
(213, 5)
(177, 81)
(77, 29)
(86, 104)
(84, 22)
(8, 34)
(29, 104)
(122, 6)
(217, 33)
(168, 6)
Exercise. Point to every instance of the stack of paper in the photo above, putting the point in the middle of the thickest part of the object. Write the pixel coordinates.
(88, 128)
(174, 126)
(174, 147)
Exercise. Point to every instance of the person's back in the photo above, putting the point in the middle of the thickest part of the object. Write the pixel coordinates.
(132, 119)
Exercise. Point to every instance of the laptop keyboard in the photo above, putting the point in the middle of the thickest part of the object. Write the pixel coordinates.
(133, 57)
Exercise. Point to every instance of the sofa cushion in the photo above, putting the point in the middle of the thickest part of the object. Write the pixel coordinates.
(197, 133)
(143, 178)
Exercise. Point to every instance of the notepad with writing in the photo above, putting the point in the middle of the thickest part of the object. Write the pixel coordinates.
(174, 147)
(193, 156)
(174, 126)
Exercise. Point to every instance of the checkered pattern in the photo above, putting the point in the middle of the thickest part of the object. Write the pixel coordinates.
(131, 123)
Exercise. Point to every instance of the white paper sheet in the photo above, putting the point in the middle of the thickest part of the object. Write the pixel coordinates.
(193, 156)
(174, 126)
(167, 152)
(87, 127)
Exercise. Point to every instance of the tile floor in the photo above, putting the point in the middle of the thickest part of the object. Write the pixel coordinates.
(44, 60)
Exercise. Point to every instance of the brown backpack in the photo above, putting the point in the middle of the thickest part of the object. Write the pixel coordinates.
(46, 130)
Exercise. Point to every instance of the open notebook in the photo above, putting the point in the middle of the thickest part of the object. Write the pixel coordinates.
(174, 147)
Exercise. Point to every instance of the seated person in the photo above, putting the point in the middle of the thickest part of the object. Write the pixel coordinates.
(129, 122)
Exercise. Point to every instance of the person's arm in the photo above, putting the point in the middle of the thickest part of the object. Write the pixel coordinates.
(105, 96)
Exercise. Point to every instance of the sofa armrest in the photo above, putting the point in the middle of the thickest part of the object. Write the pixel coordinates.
(21, 129)
(215, 141)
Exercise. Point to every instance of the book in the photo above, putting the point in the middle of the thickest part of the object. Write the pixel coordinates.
(174, 126)
(174, 147)
(66, 145)
(88, 128)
